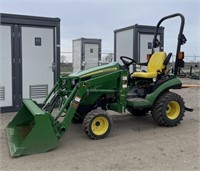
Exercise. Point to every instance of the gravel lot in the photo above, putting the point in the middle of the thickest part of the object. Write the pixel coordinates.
(133, 144)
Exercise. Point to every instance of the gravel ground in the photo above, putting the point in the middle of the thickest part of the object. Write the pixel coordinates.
(133, 144)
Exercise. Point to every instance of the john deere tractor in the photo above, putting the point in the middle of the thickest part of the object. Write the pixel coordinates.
(86, 96)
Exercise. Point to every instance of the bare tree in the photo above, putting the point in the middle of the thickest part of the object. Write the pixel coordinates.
(109, 57)
(62, 59)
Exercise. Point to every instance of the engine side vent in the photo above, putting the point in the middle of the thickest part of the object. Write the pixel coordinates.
(2, 93)
(38, 91)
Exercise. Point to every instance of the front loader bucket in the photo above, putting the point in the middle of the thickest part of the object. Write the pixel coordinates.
(30, 131)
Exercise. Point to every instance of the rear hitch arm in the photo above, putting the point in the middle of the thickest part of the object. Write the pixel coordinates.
(188, 109)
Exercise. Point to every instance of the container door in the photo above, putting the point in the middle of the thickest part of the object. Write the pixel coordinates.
(146, 47)
(76, 55)
(37, 59)
(5, 66)
(91, 55)
(124, 45)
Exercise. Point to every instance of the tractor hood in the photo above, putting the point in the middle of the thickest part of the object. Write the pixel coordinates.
(99, 70)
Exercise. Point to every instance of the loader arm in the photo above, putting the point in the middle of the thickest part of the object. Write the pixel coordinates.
(77, 94)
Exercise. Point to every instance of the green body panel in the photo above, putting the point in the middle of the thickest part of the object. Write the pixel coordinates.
(165, 86)
(30, 131)
(99, 70)
(115, 107)
(150, 98)
(90, 99)
(109, 81)
(139, 103)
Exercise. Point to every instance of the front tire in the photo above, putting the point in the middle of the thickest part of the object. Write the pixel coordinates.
(168, 110)
(97, 124)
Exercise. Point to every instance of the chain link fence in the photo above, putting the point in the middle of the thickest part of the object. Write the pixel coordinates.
(192, 62)
(191, 67)
(66, 61)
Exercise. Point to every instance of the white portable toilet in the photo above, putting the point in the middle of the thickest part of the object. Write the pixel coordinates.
(136, 42)
(86, 53)
(29, 58)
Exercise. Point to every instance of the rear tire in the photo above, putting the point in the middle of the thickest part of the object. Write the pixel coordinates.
(97, 124)
(168, 110)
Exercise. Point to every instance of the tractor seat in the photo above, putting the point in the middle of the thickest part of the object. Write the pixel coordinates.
(155, 66)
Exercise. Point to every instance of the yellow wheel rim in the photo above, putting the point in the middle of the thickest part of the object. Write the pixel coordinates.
(99, 125)
(173, 110)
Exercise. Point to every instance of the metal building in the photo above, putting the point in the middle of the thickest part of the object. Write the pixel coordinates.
(86, 53)
(136, 41)
(29, 58)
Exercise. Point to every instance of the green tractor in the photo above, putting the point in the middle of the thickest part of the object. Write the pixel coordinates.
(86, 96)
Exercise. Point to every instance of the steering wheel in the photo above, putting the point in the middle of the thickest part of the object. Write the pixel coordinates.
(127, 63)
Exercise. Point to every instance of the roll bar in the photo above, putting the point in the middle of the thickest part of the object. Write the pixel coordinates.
(181, 38)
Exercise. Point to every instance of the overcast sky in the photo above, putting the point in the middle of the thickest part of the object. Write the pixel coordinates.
(99, 18)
